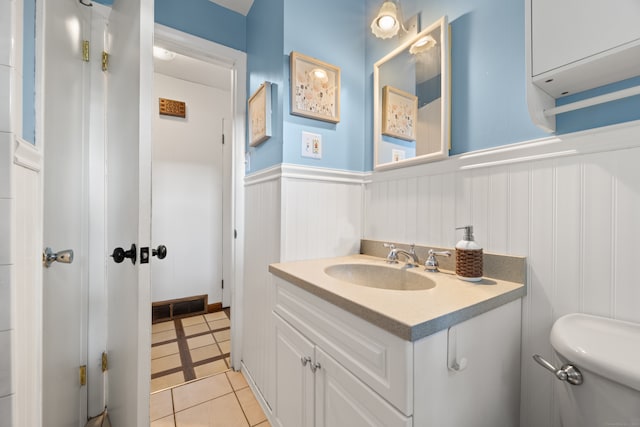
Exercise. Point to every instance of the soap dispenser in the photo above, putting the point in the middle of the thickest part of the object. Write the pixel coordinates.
(468, 257)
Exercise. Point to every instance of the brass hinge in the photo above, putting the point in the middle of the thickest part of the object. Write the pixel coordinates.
(85, 50)
(83, 375)
(105, 364)
(105, 61)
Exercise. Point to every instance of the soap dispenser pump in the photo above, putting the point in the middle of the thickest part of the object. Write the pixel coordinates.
(468, 257)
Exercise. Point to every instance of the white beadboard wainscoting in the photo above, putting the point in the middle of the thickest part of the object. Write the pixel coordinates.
(292, 213)
(571, 205)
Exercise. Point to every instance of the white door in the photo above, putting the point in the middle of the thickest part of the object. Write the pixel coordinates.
(64, 209)
(129, 90)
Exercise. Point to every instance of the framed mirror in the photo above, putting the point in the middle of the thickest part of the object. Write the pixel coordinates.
(412, 100)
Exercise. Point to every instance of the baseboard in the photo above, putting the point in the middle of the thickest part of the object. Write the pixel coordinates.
(212, 308)
(263, 403)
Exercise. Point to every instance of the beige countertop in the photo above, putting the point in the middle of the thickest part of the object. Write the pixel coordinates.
(411, 315)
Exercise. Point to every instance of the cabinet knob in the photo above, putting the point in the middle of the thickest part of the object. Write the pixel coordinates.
(305, 360)
(315, 367)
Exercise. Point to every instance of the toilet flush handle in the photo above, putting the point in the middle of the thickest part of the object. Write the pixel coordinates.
(567, 372)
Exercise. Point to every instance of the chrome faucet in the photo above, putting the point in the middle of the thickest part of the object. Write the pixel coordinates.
(431, 264)
(392, 256)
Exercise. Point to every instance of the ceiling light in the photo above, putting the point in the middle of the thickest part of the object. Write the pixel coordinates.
(163, 54)
(424, 44)
(387, 22)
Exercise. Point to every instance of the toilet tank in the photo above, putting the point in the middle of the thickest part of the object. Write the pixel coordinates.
(607, 352)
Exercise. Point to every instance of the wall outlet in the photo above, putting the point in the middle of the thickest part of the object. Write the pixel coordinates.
(397, 155)
(311, 145)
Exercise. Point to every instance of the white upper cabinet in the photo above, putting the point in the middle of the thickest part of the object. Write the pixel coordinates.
(576, 45)
(567, 31)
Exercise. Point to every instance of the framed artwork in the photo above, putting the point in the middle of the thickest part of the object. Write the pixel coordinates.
(399, 111)
(260, 115)
(315, 88)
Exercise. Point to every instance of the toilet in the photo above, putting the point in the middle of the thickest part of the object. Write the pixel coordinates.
(607, 354)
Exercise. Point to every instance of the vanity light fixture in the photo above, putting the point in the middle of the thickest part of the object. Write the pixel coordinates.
(163, 54)
(388, 21)
(424, 44)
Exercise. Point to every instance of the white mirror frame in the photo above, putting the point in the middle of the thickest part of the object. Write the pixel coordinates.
(445, 121)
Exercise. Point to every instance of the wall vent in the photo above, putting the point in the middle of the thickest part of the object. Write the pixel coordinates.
(162, 311)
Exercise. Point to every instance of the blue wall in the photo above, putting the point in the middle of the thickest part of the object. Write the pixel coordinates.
(265, 62)
(317, 29)
(29, 72)
(619, 111)
(277, 27)
(204, 19)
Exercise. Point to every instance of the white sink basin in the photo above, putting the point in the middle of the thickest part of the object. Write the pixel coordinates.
(381, 276)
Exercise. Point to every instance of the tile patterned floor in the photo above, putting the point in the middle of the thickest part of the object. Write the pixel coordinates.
(221, 400)
(191, 383)
(186, 349)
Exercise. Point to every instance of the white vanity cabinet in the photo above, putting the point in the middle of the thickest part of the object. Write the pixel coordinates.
(313, 389)
(335, 369)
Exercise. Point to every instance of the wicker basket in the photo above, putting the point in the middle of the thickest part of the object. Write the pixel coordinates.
(469, 263)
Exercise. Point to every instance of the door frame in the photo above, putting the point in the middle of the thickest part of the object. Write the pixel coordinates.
(233, 260)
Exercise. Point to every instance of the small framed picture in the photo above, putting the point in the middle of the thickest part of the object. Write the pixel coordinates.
(260, 115)
(315, 88)
(399, 111)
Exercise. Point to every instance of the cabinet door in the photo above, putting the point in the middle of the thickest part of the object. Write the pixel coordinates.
(294, 378)
(343, 400)
(566, 31)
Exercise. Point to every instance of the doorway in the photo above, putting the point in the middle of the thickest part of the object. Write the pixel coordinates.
(197, 207)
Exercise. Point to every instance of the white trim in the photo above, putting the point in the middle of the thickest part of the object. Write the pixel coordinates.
(604, 139)
(27, 156)
(291, 171)
(236, 62)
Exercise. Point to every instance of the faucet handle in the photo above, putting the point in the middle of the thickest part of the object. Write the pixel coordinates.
(392, 256)
(431, 264)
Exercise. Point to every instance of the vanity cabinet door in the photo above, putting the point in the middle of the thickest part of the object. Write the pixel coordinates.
(294, 377)
(343, 400)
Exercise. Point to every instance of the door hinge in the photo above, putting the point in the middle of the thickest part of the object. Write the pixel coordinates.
(83, 375)
(105, 61)
(223, 284)
(85, 50)
(105, 361)
(235, 234)
(223, 139)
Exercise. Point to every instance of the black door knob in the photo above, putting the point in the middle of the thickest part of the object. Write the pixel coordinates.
(160, 252)
(120, 254)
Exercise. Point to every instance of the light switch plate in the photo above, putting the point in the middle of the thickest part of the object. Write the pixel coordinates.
(311, 145)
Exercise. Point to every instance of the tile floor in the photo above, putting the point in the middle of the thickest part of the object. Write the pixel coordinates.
(191, 381)
(221, 400)
(189, 348)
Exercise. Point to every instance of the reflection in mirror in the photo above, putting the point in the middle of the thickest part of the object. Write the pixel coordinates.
(411, 100)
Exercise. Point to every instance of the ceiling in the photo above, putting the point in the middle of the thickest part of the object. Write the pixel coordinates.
(240, 6)
(195, 71)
